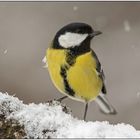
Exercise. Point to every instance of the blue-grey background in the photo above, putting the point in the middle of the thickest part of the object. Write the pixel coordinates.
(26, 30)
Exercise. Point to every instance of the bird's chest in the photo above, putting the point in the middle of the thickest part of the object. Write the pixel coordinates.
(75, 76)
(56, 60)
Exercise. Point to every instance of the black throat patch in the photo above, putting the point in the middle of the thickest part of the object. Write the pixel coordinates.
(73, 52)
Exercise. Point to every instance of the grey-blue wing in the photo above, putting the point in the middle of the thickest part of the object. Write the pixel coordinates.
(100, 71)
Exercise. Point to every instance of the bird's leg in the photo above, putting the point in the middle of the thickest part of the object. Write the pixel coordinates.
(85, 113)
(62, 98)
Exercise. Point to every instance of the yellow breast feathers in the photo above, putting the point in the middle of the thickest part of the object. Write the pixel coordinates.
(74, 76)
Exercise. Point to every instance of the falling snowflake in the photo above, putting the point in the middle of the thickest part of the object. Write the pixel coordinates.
(138, 94)
(44, 60)
(5, 51)
(127, 27)
(75, 8)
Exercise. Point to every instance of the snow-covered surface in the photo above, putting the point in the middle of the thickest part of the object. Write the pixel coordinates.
(49, 120)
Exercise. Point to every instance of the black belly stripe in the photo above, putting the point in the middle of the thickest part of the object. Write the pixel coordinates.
(63, 73)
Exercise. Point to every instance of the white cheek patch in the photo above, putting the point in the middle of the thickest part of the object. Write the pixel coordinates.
(71, 39)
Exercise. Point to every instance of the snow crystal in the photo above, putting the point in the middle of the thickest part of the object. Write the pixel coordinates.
(9, 104)
(127, 27)
(75, 8)
(5, 51)
(40, 118)
(97, 129)
(44, 60)
(49, 120)
(138, 94)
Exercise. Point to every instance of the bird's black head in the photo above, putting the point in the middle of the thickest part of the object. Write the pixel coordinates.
(74, 35)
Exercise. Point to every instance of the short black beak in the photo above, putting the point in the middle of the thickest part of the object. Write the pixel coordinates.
(95, 33)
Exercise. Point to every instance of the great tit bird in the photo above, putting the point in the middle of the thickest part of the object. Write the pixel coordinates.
(75, 68)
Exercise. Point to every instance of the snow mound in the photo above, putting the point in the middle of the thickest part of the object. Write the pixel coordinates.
(54, 120)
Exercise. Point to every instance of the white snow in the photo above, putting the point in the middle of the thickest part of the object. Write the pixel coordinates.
(138, 94)
(11, 103)
(44, 60)
(75, 8)
(127, 27)
(49, 120)
(5, 51)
